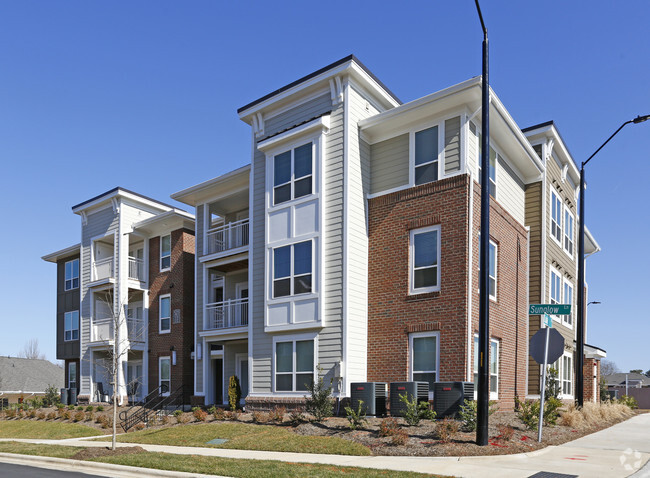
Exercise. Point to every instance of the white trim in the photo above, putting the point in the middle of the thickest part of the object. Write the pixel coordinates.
(160, 359)
(239, 357)
(470, 270)
(553, 192)
(567, 210)
(76, 381)
(293, 338)
(160, 317)
(161, 257)
(440, 158)
(565, 322)
(412, 234)
(493, 395)
(411, 371)
(317, 126)
(72, 278)
(71, 339)
(553, 271)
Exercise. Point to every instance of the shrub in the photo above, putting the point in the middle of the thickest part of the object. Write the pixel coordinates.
(106, 422)
(178, 413)
(528, 412)
(219, 413)
(66, 415)
(200, 415)
(388, 427)
(506, 432)
(572, 417)
(260, 417)
(79, 416)
(399, 437)
(319, 402)
(79, 408)
(446, 429)
(90, 416)
(234, 392)
(165, 419)
(100, 408)
(629, 401)
(51, 397)
(139, 426)
(10, 413)
(552, 384)
(31, 413)
(277, 414)
(551, 410)
(212, 409)
(416, 411)
(356, 417)
(41, 415)
(36, 402)
(51, 416)
(468, 411)
(182, 418)
(296, 417)
(90, 408)
(232, 415)
(59, 406)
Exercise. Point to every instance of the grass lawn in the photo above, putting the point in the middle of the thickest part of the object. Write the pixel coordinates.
(45, 430)
(243, 436)
(209, 465)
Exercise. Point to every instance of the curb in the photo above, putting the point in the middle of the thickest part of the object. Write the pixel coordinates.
(104, 469)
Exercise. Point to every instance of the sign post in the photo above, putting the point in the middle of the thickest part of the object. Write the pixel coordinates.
(549, 323)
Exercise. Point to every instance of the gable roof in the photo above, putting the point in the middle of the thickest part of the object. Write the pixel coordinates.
(29, 375)
(619, 379)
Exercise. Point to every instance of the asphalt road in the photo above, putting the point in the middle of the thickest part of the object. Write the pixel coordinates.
(20, 471)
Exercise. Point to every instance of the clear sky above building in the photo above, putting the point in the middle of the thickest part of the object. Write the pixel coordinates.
(144, 94)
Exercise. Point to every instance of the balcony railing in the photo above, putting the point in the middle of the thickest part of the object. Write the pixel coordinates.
(103, 269)
(136, 268)
(226, 237)
(136, 329)
(102, 330)
(226, 314)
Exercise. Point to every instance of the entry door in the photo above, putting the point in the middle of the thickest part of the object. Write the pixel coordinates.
(218, 381)
(242, 373)
(134, 380)
(242, 310)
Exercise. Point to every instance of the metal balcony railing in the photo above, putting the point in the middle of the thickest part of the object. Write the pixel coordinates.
(226, 314)
(103, 269)
(226, 237)
(136, 268)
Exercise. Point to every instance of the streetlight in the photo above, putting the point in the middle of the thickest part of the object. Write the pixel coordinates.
(483, 391)
(581, 268)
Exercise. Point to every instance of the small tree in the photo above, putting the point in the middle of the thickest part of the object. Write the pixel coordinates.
(552, 384)
(51, 397)
(319, 402)
(234, 392)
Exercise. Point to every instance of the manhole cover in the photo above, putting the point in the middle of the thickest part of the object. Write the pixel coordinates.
(221, 441)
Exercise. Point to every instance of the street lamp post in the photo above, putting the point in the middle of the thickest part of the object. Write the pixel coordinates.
(581, 269)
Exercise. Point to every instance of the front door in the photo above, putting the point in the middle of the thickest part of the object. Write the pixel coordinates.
(218, 381)
(242, 373)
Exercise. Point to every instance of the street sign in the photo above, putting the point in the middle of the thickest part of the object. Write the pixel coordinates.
(553, 309)
(555, 345)
(548, 321)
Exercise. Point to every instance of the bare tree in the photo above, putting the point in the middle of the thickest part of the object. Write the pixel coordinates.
(607, 367)
(31, 351)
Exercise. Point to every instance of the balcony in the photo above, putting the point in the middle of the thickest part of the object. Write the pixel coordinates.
(226, 314)
(136, 268)
(229, 236)
(136, 328)
(103, 269)
(101, 330)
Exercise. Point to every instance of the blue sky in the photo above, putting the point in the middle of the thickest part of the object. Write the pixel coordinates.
(144, 95)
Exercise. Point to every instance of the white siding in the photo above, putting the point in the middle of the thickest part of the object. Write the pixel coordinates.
(389, 165)
(510, 191)
(301, 113)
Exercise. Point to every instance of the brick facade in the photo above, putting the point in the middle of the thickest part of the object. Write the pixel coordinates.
(393, 314)
(591, 371)
(179, 282)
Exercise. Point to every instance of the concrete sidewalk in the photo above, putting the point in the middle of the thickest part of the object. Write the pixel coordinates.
(618, 451)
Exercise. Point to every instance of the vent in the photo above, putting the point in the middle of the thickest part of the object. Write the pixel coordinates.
(449, 396)
(373, 394)
(420, 390)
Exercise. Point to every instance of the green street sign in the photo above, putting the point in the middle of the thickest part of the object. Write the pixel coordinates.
(553, 309)
(548, 321)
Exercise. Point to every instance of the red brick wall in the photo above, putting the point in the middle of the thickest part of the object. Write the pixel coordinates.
(393, 313)
(179, 282)
(589, 371)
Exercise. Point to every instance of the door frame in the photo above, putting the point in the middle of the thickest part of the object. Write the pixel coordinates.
(239, 358)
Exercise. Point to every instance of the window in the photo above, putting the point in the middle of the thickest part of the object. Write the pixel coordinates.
(292, 174)
(165, 252)
(71, 326)
(164, 375)
(568, 299)
(424, 358)
(424, 260)
(556, 217)
(568, 232)
(72, 274)
(492, 171)
(294, 365)
(556, 291)
(494, 366)
(292, 268)
(564, 367)
(72, 375)
(426, 155)
(165, 315)
(492, 279)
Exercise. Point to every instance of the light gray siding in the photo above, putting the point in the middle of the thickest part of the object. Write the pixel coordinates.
(389, 164)
(452, 145)
(301, 113)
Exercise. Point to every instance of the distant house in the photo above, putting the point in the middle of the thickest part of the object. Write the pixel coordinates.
(634, 380)
(22, 379)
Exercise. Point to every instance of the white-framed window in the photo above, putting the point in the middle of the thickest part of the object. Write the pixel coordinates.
(564, 367)
(494, 367)
(568, 231)
(556, 217)
(492, 171)
(424, 260)
(71, 326)
(164, 375)
(293, 174)
(165, 252)
(427, 154)
(292, 269)
(424, 357)
(492, 276)
(568, 299)
(72, 274)
(72, 374)
(293, 364)
(165, 320)
(556, 287)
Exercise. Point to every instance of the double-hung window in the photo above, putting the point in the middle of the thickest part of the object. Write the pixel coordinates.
(71, 325)
(72, 374)
(424, 357)
(164, 375)
(72, 274)
(426, 155)
(568, 299)
(425, 260)
(292, 174)
(494, 366)
(556, 288)
(556, 217)
(292, 269)
(564, 367)
(165, 314)
(165, 252)
(294, 365)
(568, 232)
(492, 265)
